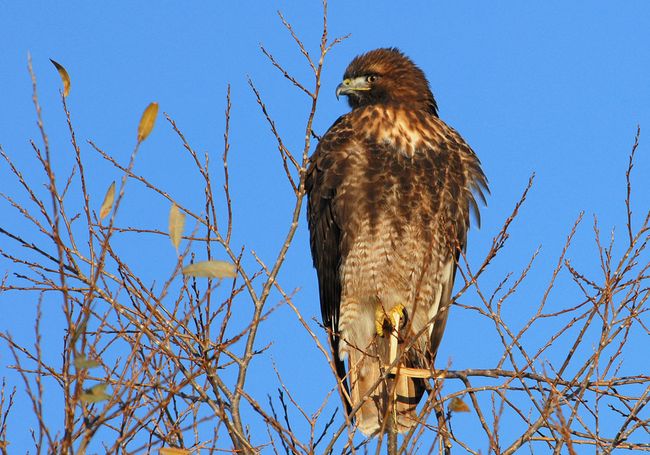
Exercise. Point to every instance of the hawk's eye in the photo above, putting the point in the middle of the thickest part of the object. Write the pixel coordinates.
(371, 78)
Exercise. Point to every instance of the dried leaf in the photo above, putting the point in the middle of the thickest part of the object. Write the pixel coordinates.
(108, 202)
(147, 121)
(176, 225)
(211, 269)
(95, 394)
(458, 405)
(173, 451)
(81, 361)
(65, 77)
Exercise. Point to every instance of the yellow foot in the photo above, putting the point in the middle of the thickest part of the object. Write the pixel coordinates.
(381, 317)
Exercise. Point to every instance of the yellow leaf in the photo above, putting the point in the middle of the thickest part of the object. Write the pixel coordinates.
(81, 361)
(108, 202)
(147, 121)
(65, 77)
(173, 451)
(95, 394)
(176, 225)
(211, 269)
(458, 405)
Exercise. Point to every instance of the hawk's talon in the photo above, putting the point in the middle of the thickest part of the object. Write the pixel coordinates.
(381, 317)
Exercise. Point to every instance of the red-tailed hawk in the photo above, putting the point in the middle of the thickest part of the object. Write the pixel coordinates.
(390, 189)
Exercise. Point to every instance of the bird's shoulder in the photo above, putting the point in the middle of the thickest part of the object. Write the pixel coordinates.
(333, 149)
(395, 128)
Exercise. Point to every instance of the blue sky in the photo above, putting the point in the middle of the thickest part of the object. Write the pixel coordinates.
(555, 88)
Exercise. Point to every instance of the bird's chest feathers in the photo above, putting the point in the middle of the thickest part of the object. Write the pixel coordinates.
(399, 131)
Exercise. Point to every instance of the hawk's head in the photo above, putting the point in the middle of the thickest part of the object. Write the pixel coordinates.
(386, 76)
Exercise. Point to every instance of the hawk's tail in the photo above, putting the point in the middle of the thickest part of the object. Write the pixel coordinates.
(388, 401)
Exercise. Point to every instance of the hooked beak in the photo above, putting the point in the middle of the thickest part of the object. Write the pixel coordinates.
(350, 86)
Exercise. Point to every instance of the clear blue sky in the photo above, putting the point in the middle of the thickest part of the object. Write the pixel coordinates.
(556, 88)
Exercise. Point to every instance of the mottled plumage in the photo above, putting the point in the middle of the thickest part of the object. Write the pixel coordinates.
(390, 189)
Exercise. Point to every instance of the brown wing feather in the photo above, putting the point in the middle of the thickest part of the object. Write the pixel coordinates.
(471, 183)
(323, 177)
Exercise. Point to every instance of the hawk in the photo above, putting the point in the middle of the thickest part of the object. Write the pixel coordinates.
(390, 189)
